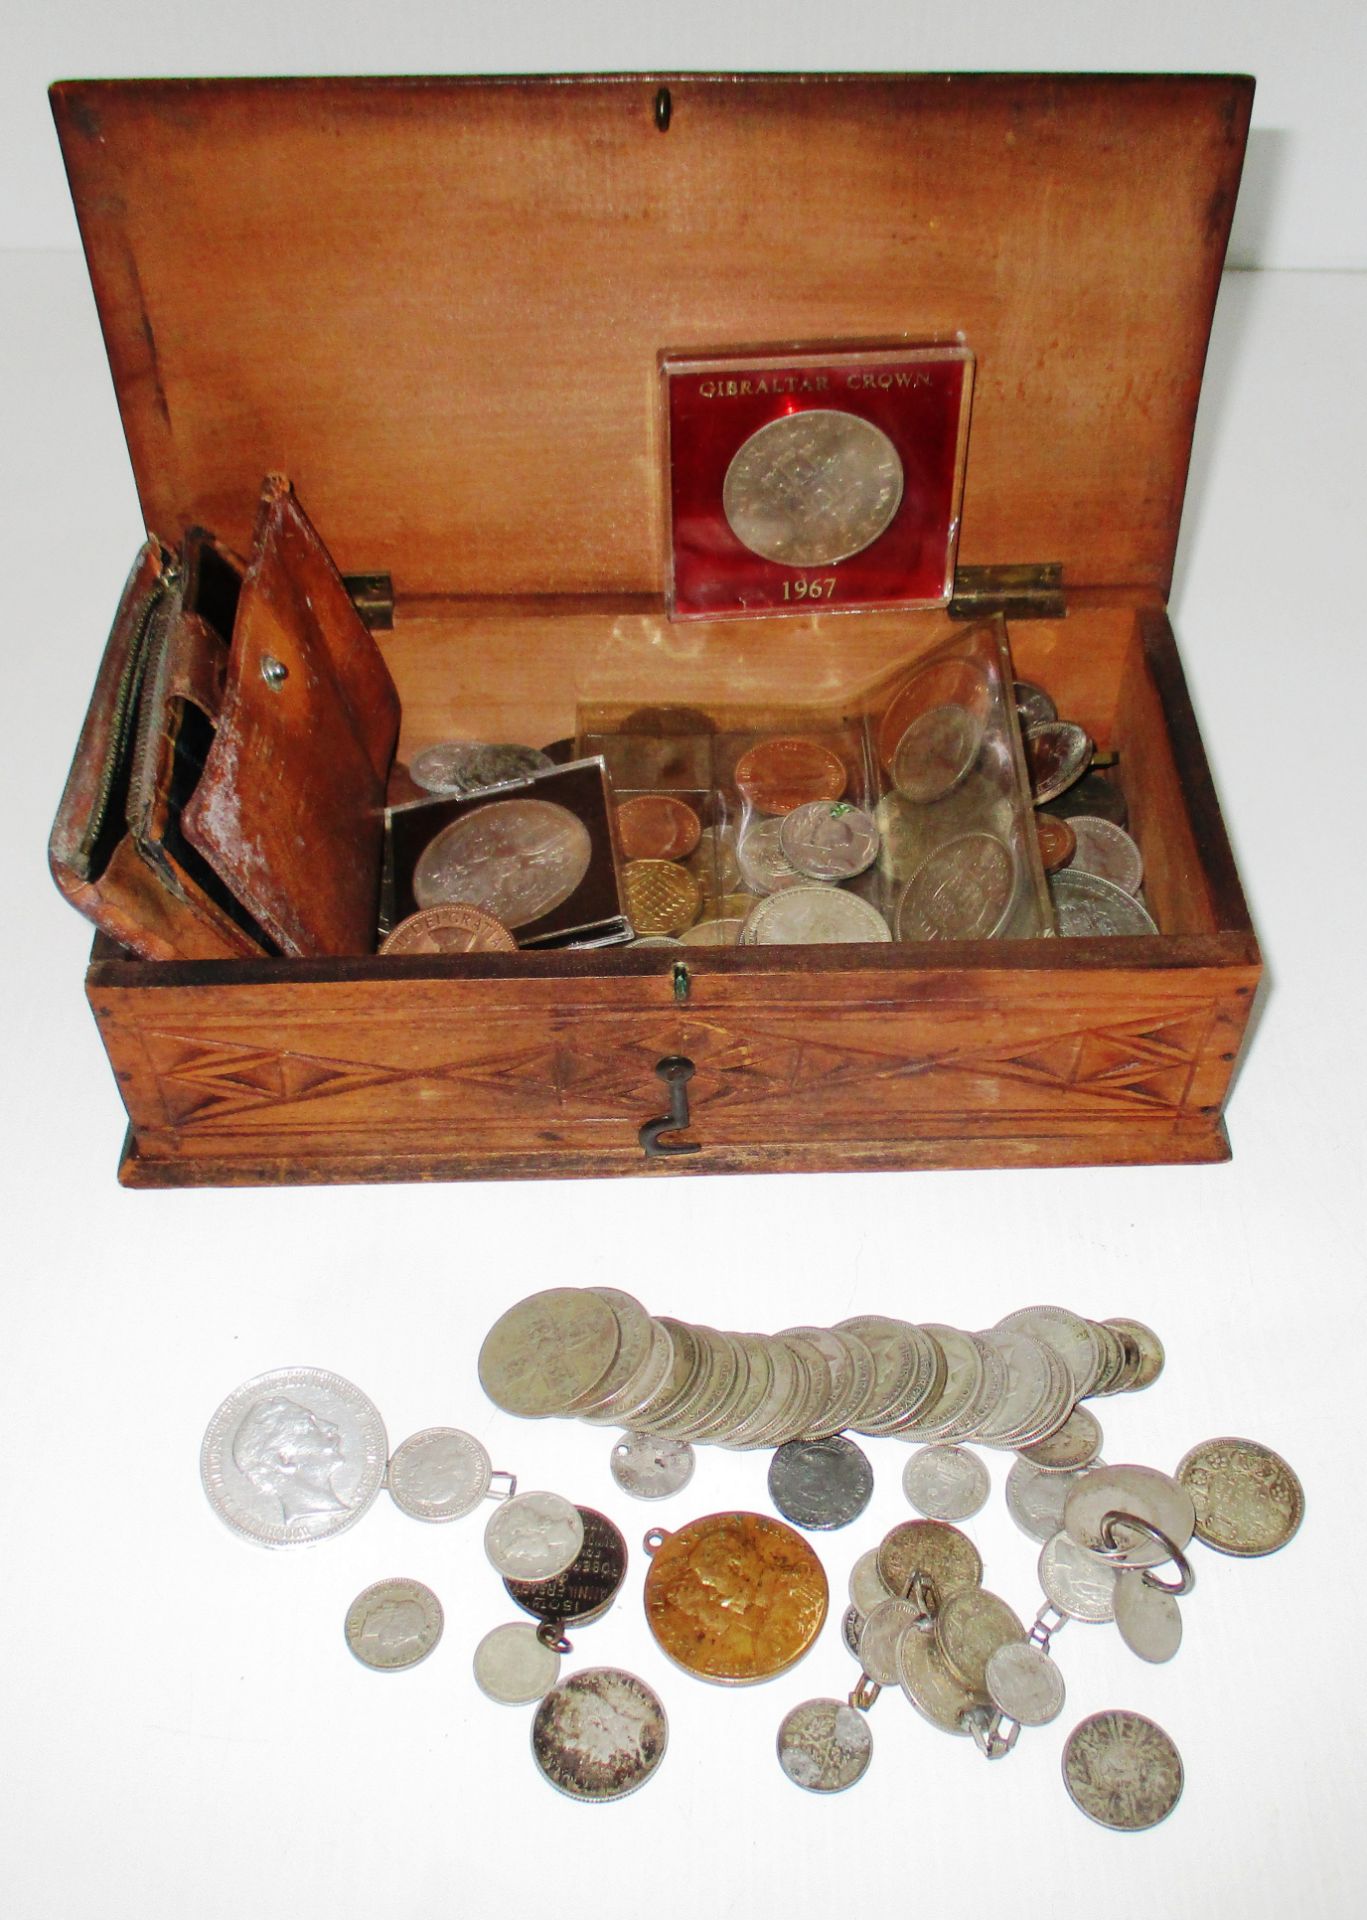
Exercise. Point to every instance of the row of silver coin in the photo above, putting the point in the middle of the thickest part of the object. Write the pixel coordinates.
(1013, 1386)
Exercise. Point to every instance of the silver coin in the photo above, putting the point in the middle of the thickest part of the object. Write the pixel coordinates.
(1150, 1348)
(1027, 1391)
(394, 1624)
(1033, 704)
(880, 1635)
(588, 1586)
(1248, 1501)
(1077, 1444)
(499, 766)
(439, 1474)
(599, 1735)
(442, 769)
(1035, 1498)
(513, 1666)
(713, 933)
(1025, 1684)
(946, 1483)
(1078, 1583)
(963, 1381)
(643, 1389)
(1143, 1491)
(812, 488)
(851, 1626)
(1106, 850)
(904, 1364)
(820, 1484)
(969, 1627)
(829, 839)
(293, 1456)
(651, 1468)
(1150, 1621)
(824, 1746)
(932, 1547)
(852, 1371)
(1057, 753)
(813, 915)
(867, 1586)
(713, 863)
(935, 1692)
(548, 1351)
(635, 1344)
(533, 1536)
(1122, 1771)
(764, 866)
(1120, 1357)
(518, 859)
(1073, 1339)
(961, 892)
(937, 751)
(1086, 907)
(653, 940)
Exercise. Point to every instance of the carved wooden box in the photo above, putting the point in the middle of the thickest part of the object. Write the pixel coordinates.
(437, 305)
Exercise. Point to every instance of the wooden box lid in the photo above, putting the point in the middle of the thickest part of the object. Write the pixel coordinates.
(437, 303)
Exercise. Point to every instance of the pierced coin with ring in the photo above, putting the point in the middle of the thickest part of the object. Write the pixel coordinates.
(1116, 1552)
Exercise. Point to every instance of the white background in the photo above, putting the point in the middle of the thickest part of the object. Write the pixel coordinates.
(182, 1730)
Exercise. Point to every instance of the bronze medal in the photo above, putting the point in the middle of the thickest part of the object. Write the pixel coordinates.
(734, 1597)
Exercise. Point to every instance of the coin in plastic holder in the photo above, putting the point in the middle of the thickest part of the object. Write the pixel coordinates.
(439, 1474)
(651, 1467)
(660, 896)
(533, 1536)
(829, 839)
(734, 1597)
(936, 752)
(518, 859)
(812, 488)
(393, 1624)
(657, 826)
(824, 1746)
(962, 891)
(514, 1666)
(820, 1484)
(1122, 1771)
(599, 1735)
(585, 1590)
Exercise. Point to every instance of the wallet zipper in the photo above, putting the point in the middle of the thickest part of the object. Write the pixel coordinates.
(126, 705)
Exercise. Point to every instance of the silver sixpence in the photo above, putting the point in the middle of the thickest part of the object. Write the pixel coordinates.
(1035, 1498)
(1074, 1340)
(1142, 1491)
(394, 1624)
(812, 488)
(293, 1456)
(651, 1467)
(1078, 1583)
(812, 915)
(1087, 907)
(548, 1351)
(829, 839)
(1150, 1620)
(1106, 850)
(946, 1483)
(851, 1627)
(439, 1474)
(1122, 1771)
(969, 1627)
(1025, 1684)
(514, 1666)
(1075, 1445)
(824, 1746)
(533, 1536)
(936, 1693)
(867, 1586)
(820, 1484)
(881, 1635)
(599, 1735)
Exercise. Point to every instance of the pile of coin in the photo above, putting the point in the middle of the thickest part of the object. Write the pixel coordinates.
(596, 1354)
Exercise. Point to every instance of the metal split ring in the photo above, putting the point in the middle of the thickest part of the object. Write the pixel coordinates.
(1115, 1551)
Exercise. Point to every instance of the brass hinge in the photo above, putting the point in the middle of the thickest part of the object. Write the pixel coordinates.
(372, 595)
(1027, 591)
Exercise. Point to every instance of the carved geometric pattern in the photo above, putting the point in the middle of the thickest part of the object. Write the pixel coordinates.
(208, 1080)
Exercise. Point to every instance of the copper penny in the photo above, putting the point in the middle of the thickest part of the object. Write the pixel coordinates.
(453, 928)
(1057, 841)
(660, 897)
(778, 776)
(656, 826)
(734, 1597)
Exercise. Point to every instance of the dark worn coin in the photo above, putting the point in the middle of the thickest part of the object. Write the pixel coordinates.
(820, 1484)
(1033, 704)
(1057, 753)
(587, 1587)
(1122, 1770)
(599, 1735)
(1095, 793)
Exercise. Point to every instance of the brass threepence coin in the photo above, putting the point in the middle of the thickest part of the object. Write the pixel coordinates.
(583, 1591)
(1122, 1770)
(1057, 842)
(829, 839)
(514, 1666)
(1247, 1499)
(813, 488)
(936, 752)
(824, 1746)
(820, 1484)
(394, 1624)
(656, 826)
(778, 776)
(452, 928)
(599, 1735)
(518, 859)
(549, 1351)
(533, 1536)
(1107, 850)
(734, 1597)
(439, 1474)
(961, 892)
(1057, 753)
(660, 896)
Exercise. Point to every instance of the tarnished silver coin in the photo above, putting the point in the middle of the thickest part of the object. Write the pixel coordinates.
(293, 1456)
(1033, 704)
(1078, 1583)
(820, 1484)
(812, 915)
(1122, 1770)
(941, 1552)
(1036, 1497)
(829, 839)
(867, 1585)
(969, 1627)
(642, 1390)
(961, 892)
(443, 768)
(517, 859)
(439, 1474)
(1149, 1495)
(1076, 1444)
(905, 1364)
(1150, 1620)
(1025, 1684)
(1057, 753)
(1106, 850)
(951, 1418)
(394, 1624)
(936, 1693)
(812, 488)
(946, 1483)
(587, 1587)
(851, 1627)
(548, 1351)
(499, 766)
(880, 1635)
(599, 1735)
(1073, 1339)
(513, 1666)
(1086, 907)
(1150, 1351)
(1247, 1500)
(824, 1745)
(650, 1467)
(533, 1536)
(635, 1343)
(764, 866)
(936, 752)
(1028, 1391)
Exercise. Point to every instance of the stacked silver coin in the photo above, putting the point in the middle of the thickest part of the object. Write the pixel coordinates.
(596, 1354)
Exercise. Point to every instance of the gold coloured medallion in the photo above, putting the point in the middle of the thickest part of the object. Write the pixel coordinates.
(734, 1597)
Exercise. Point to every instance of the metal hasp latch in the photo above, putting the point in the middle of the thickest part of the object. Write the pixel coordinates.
(676, 1072)
(1030, 591)
(372, 595)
